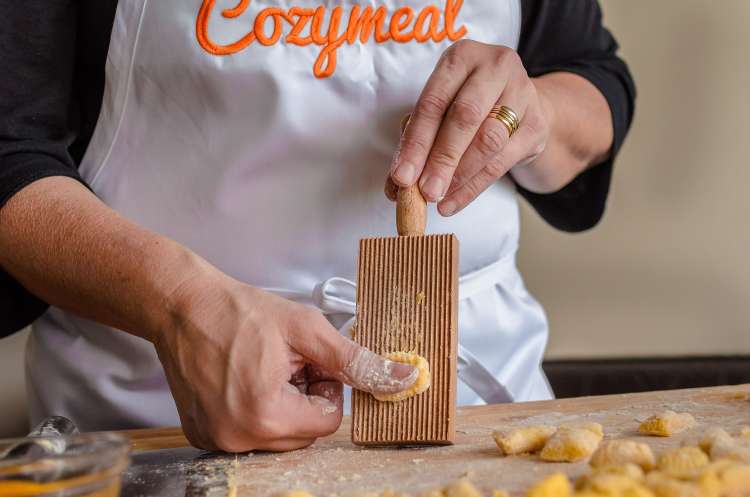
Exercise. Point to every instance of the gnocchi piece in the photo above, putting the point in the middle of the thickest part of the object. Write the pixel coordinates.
(616, 485)
(617, 452)
(389, 492)
(593, 427)
(462, 488)
(295, 493)
(630, 471)
(663, 485)
(555, 485)
(523, 440)
(570, 444)
(683, 462)
(667, 423)
(733, 449)
(420, 385)
(500, 493)
(712, 437)
(735, 481)
(435, 492)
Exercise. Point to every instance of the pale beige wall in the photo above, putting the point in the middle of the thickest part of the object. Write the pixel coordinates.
(668, 271)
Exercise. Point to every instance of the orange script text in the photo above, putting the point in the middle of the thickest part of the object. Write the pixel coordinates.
(330, 29)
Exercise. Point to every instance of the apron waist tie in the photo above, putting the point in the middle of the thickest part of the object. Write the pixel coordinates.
(338, 296)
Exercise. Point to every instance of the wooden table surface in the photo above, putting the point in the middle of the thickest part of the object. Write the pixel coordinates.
(335, 467)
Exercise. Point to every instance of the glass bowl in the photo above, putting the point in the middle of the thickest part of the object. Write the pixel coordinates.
(91, 465)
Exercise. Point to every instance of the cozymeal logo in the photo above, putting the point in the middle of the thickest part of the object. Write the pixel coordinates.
(330, 29)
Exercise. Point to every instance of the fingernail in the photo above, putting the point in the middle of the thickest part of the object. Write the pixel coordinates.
(433, 188)
(402, 372)
(402, 375)
(405, 174)
(325, 405)
(372, 373)
(448, 208)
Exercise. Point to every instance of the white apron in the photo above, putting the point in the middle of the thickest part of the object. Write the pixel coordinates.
(262, 144)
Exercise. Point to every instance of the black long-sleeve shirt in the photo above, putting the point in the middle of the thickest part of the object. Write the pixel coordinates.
(52, 58)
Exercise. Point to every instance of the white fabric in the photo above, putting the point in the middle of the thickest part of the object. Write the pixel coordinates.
(274, 175)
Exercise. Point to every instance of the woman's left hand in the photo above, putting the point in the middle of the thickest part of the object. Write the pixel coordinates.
(451, 144)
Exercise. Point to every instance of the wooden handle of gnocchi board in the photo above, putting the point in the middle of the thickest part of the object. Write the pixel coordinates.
(411, 207)
(411, 212)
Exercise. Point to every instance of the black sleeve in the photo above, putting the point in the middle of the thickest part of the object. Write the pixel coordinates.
(568, 36)
(37, 43)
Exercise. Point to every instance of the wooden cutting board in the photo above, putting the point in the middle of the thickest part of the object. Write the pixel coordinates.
(335, 467)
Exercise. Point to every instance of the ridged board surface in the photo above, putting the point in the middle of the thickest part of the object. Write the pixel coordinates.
(407, 300)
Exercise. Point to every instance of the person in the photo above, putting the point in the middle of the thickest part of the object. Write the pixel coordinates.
(183, 185)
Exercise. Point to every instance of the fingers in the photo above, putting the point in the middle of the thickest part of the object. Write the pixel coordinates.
(491, 138)
(466, 114)
(440, 90)
(314, 415)
(315, 339)
(524, 145)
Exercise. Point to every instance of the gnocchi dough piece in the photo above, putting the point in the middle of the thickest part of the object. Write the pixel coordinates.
(735, 481)
(435, 492)
(706, 484)
(570, 444)
(683, 462)
(389, 492)
(616, 485)
(712, 437)
(459, 488)
(667, 423)
(617, 452)
(593, 427)
(732, 449)
(462, 488)
(555, 485)
(523, 440)
(630, 471)
(420, 385)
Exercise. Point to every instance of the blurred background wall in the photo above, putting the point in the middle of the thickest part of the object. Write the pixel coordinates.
(667, 273)
(668, 270)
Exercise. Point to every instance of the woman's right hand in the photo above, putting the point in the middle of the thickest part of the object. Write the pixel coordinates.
(250, 370)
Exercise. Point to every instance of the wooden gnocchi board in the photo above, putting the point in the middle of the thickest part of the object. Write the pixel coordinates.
(336, 467)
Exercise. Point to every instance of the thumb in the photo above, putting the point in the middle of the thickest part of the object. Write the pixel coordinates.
(320, 343)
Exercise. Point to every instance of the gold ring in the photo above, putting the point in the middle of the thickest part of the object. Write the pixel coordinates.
(507, 116)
